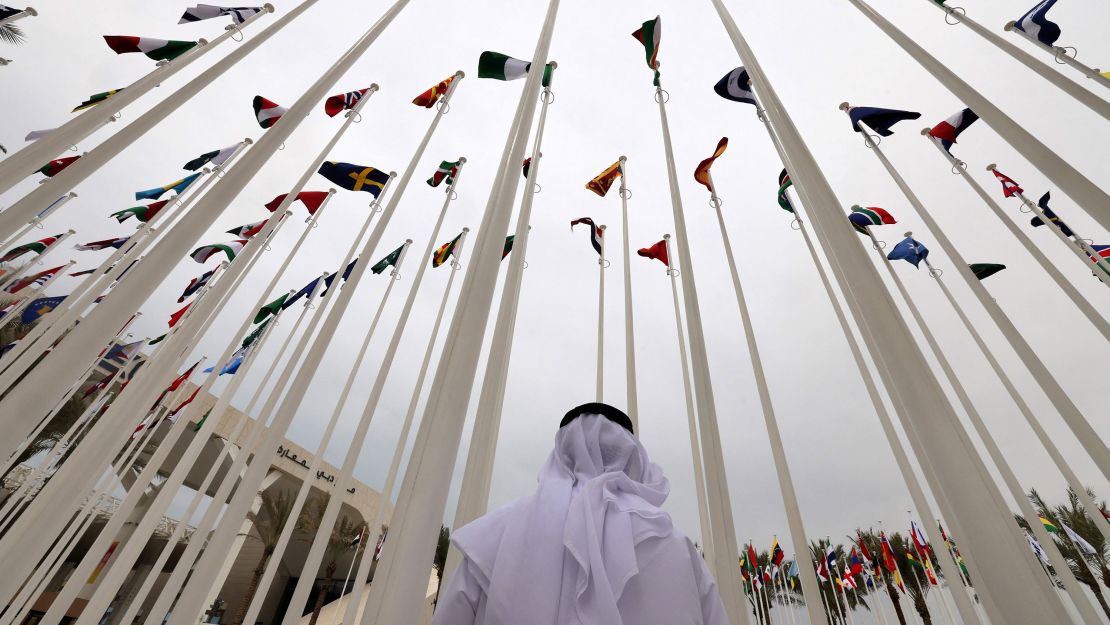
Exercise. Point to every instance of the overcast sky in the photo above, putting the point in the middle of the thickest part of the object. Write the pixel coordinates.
(818, 53)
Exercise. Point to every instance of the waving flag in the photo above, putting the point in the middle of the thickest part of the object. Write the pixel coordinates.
(785, 183)
(104, 244)
(524, 167)
(501, 66)
(233, 363)
(445, 251)
(141, 213)
(37, 279)
(209, 11)
(1009, 187)
(355, 177)
(909, 250)
(121, 353)
(863, 218)
(657, 251)
(649, 34)
(596, 233)
(157, 49)
(35, 135)
(777, 554)
(431, 96)
(95, 99)
(389, 261)
(701, 174)
(177, 187)
(52, 168)
(312, 200)
(195, 285)
(248, 230)
(7, 11)
(215, 158)
(508, 246)
(336, 104)
(736, 86)
(603, 181)
(878, 119)
(176, 317)
(447, 170)
(271, 309)
(256, 333)
(205, 252)
(38, 247)
(1037, 221)
(39, 307)
(1102, 254)
(1036, 23)
(266, 112)
(983, 271)
(822, 570)
(948, 130)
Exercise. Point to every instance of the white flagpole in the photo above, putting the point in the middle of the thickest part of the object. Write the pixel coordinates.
(1061, 56)
(1077, 186)
(36, 221)
(342, 593)
(601, 264)
(14, 168)
(1094, 316)
(28, 12)
(629, 331)
(10, 279)
(695, 446)
(1076, 421)
(838, 583)
(1085, 97)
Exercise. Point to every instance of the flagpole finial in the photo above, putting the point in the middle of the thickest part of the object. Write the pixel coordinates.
(908, 234)
(269, 7)
(992, 167)
(408, 241)
(462, 159)
(855, 206)
(623, 158)
(72, 194)
(460, 74)
(553, 64)
(373, 87)
(844, 106)
(332, 191)
(666, 237)
(248, 141)
(72, 231)
(31, 11)
(925, 132)
(466, 229)
(1009, 26)
(392, 174)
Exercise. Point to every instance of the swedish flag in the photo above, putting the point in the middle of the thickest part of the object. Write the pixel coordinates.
(355, 177)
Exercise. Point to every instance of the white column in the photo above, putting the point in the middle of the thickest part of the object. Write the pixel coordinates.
(1060, 55)
(629, 330)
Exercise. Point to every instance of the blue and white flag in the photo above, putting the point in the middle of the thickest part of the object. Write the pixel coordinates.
(736, 86)
(1037, 24)
(909, 250)
(232, 365)
(40, 307)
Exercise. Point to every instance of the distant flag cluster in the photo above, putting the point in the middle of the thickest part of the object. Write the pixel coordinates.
(603, 181)
(55, 166)
(336, 104)
(156, 49)
(431, 96)
(1036, 23)
(266, 112)
(177, 187)
(948, 130)
(209, 11)
(446, 171)
(701, 173)
(596, 233)
(736, 86)
(878, 119)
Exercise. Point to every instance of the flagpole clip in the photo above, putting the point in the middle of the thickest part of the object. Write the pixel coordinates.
(959, 167)
(871, 141)
(625, 193)
(662, 96)
(761, 115)
(1063, 51)
(879, 245)
(536, 188)
(282, 146)
(796, 224)
(935, 273)
(604, 262)
(443, 106)
(954, 13)
(547, 96)
(238, 31)
(715, 202)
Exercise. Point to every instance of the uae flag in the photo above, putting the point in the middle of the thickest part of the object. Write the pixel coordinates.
(53, 167)
(985, 270)
(508, 247)
(266, 112)
(38, 279)
(271, 309)
(948, 130)
(215, 157)
(176, 317)
(157, 49)
(95, 99)
(104, 244)
(312, 200)
(657, 251)
(205, 252)
(501, 66)
(863, 218)
(736, 86)
(649, 35)
(603, 181)
(1009, 187)
(595, 232)
(431, 96)
(701, 174)
(248, 230)
(445, 251)
(389, 261)
(342, 102)
(142, 213)
(195, 285)
(209, 11)
(446, 171)
(37, 247)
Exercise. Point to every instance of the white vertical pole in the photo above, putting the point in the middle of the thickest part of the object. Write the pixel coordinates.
(629, 330)
(1060, 55)
(346, 578)
(601, 263)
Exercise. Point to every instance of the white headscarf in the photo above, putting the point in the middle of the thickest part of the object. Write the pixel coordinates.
(564, 555)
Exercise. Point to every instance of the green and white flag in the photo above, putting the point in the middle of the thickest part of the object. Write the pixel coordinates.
(501, 66)
(388, 261)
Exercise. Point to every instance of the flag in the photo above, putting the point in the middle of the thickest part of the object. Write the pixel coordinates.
(102, 384)
(37, 279)
(863, 548)
(35, 135)
(156, 340)
(785, 183)
(649, 35)
(849, 581)
(1035, 23)
(1049, 526)
(40, 307)
(878, 119)
(312, 200)
(248, 230)
(83, 272)
(52, 168)
(736, 86)
(38, 247)
(524, 167)
(1079, 541)
(205, 252)
(1009, 187)
(101, 245)
(909, 250)
(1036, 221)
(658, 252)
(777, 554)
(195, 285)
(208, 11)
(157, 49)
(336, 104)
(830, 556)
(233, 363)
(501, 67)
(271, 309)
(855, 565)
(176, 317)
(7, 11)
(948, 130)
(1102, 254)
(701, 174)
(95, 99)
(431, 96)
(863, 218)
(141, 213)
(331, 278)
(266, 112)
(355, 177)
(305, 291)
(357, 540)
(389, 261)
(822, 570)
(215, 158)
(888, 554)
(601, 183)
(255, 334)
(1038, 550)
(447, 170)
(595, 232)
(188, 400)
(445, 251)
(508, 247)
(985, 270)
(177, 187)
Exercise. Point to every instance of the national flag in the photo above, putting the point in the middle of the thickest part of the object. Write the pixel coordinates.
(1049, 526)
(649, 35)
(104, 244)
(849, 581)
(985, 270)
(255, 334)
(447, 170)
(1009, 187)
(95, 99)
(336, 104)
(357, 540)
(913, 559)
(195, 285)
(156, 340)
(909, 250)
(1037, 221)
(38, 247)
(208, 11)
(822, 570)
(305, 291)
(863, 548)
(205, 252)
(878, 119)
(777, 554)
(83, 272)
(157, 49)
(701, 174)
(389, 261)
(431, 96)
(215, 158)
(920, 542)
(176, 317)
(1102, 254)
(331, 278)
(101, 385)
(188, 400)
(7, 11)
(1079, 541)
(266, 112)
(525, 166)
(35, 135)
(948, 130)
(736, 86)
(830, 556)
(355, 177)
(1038, 550)
(501, 67)
(52, 168)
(508, 247)
(177, 187)
(855, 565)
(233, 363)
(785, 183)
(1035, 23)
(248, 230)
(37, 279)
(863, 218)
(312, 200)
(603, 181)
(271, 309)
(658, 252)
(595, 232)
(888, 554)
(122, 352)
(141, 213)
(445, 251)
(40, 307)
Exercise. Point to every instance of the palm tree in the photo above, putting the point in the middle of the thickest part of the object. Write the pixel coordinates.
(342, 533)
(875, 548)
(268, 523)
(1089, 569)
(914, 576)
(13, 34)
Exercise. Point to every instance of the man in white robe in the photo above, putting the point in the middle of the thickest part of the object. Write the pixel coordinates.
(591, 547)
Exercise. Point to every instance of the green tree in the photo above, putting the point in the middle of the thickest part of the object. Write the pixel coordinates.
(875, 548)
(268, 522)
(12, 34)
(342, 533)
